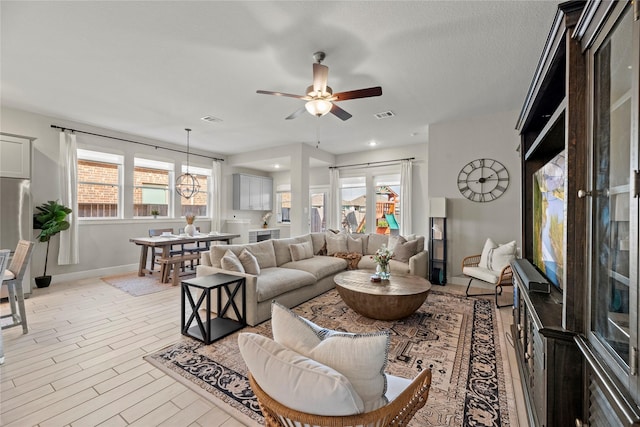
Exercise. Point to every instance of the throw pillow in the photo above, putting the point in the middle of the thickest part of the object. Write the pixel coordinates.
(489, 246)
(354, 245)
(297, 381)
(394, 241)
(336, 243)
(231, 262)
(249, 262)
(362, 358)
(495, 257)
(300, 251)
(403, 251)
(503, 255)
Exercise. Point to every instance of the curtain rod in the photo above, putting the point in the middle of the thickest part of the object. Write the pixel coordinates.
(136, 142)
(371, 163)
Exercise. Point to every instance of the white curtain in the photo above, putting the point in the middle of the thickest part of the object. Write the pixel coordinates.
(216, 190)
(333, 220)
(406, 195)
(68, 171)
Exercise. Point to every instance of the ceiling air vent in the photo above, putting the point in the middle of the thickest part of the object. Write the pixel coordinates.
(384, 115)
(211, 119)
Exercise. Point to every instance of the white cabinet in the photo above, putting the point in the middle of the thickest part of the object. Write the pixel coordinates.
(252, 193)
(15, 156)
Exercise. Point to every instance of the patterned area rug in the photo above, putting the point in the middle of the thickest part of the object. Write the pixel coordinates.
(136, 285)
(454, 336)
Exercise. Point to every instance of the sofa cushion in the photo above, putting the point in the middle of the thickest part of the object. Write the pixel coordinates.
(319, 244)
(394, 241)
(375, 241)
(296, 381)
(336, 243)
(264, 253)
(481, 273)
(320, 266)
(249, 262)
(357, 243)
(218, 251)
(276, 281)
(281, 247)
(366, 263)
(231, 262)
(361, 358)
(403, 251)
(300, 251)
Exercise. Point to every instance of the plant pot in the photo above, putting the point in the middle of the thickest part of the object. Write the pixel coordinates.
(43, 281)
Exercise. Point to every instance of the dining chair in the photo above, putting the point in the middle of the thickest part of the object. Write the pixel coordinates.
(13, 279)
(194, 247)
(4, 260)
(157, 252)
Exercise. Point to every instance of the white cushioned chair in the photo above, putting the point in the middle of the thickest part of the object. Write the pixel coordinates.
(312, 376)
(492, 266)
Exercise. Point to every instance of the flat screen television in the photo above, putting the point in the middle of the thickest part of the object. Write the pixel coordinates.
(548, 219)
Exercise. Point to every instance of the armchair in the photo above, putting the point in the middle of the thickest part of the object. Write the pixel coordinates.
(470, 269)
(398, 412)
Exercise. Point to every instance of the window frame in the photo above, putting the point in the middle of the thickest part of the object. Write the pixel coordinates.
(92, 155)
(144, 162)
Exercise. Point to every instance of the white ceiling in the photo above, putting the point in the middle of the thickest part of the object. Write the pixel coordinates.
(151, 69)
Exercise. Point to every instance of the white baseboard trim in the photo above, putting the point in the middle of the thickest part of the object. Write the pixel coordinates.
(99, 272)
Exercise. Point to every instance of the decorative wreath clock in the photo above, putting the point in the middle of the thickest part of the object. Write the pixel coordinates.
(483, 180)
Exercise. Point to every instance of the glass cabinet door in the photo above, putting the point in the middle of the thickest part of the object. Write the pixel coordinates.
(612, 298)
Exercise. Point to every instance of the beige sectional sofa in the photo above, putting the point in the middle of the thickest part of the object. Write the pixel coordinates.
(292, 281)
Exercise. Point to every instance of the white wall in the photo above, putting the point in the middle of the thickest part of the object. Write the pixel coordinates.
(451, 146)
(104, 245)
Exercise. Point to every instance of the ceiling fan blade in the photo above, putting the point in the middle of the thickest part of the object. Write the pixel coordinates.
(295, 113)
(320, 73)
(268, 92)
(359, 93)
(340, 113)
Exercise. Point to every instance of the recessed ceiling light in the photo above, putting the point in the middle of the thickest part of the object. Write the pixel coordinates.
(372, 143)
(276, 166)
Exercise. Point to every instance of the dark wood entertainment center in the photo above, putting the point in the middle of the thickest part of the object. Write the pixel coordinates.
(577, 346)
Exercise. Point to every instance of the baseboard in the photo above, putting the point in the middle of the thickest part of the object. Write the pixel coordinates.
(99, 272)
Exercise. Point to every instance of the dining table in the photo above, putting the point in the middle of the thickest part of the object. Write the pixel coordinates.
(167, 241)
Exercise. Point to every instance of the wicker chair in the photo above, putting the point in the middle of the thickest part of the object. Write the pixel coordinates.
(504, 279)
(397, 413)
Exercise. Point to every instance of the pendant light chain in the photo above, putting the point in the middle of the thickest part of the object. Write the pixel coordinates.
(187, 185)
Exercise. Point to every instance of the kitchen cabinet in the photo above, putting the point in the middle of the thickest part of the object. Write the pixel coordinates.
(15, 156)
(252, 192)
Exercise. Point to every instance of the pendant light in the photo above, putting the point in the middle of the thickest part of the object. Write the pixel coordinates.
(187, 185)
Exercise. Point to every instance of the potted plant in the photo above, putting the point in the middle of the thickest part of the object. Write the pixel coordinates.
(155, 213)
(50, 219)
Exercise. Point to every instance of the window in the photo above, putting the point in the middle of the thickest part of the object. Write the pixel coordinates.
(151, 187)
(99, 184)
(283, 207)
(353, 193)
(198, 204)
(318, 214)
(387, 204)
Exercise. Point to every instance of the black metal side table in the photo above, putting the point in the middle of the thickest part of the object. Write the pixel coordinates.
(211, 330)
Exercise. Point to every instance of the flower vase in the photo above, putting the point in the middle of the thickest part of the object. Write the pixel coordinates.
(383, 271)
(190, 229)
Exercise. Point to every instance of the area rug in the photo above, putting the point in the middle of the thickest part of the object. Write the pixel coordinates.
(136, 285)
(456, 337)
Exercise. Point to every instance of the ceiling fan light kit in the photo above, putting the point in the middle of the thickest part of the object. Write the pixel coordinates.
(320, 98)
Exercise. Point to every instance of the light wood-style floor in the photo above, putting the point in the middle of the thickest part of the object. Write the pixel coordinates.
(81, 362)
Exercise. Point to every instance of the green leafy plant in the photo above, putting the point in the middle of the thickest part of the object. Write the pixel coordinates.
(50, 219)
(155, 212)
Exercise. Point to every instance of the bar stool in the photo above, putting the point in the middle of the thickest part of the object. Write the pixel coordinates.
(4, 260)
(13, 279)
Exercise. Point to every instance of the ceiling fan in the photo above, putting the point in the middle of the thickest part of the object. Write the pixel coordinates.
(320, 98)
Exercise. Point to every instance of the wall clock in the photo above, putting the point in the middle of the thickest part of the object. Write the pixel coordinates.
(483, 180)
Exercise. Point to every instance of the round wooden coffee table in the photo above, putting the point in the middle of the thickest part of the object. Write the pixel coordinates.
(391, 299)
